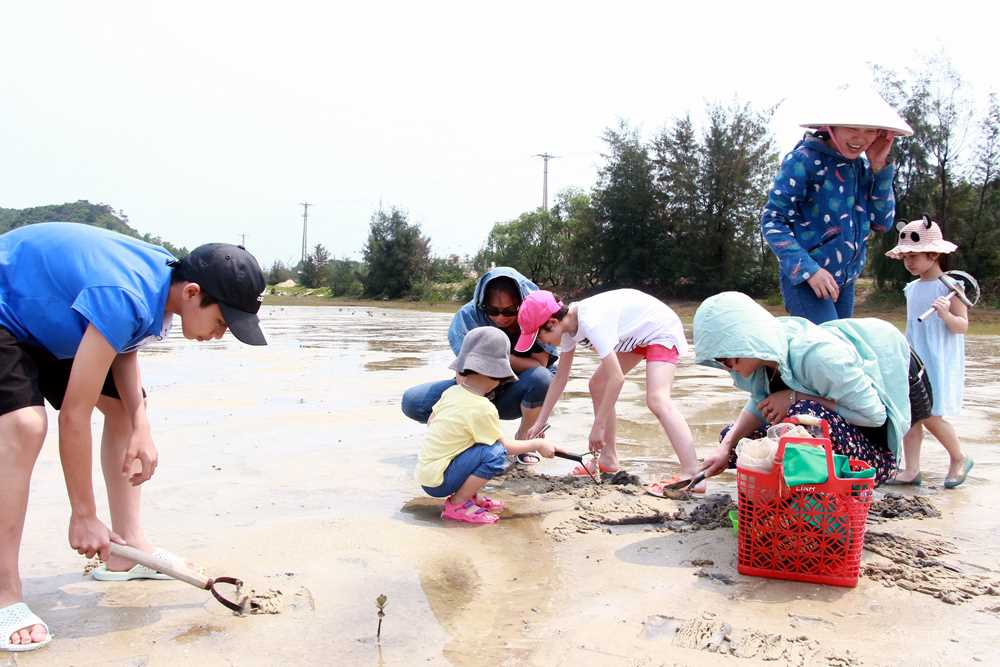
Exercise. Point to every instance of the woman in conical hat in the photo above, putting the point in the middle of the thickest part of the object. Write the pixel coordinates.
(831, 190)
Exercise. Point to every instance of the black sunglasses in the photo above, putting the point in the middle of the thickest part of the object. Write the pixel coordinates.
(493, 311)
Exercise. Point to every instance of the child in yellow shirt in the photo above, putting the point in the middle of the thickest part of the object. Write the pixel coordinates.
(465, 447)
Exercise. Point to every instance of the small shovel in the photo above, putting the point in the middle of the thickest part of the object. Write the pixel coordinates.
(579, 459)
(686, 484)
(571, 457)
(196, 579)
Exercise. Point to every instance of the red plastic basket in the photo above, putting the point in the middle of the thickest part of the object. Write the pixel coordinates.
(812, 533)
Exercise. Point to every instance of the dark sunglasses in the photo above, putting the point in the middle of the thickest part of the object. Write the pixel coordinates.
(913, 235)
(493, 311)
(727, 362)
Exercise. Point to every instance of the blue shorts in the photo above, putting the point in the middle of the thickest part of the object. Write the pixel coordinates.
(485, 461)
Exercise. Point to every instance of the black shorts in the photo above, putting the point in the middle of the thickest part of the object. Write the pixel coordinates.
(30, 375)
(921, 395)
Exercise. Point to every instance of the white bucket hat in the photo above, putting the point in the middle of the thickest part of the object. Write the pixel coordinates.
(922, 235)
(850, 106)
(485, 350)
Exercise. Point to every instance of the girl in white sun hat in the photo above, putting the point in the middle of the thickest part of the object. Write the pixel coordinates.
(939, 340)
(826, 198)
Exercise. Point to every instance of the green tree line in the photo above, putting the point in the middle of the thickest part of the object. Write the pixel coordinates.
(949, 169)
(676, 213)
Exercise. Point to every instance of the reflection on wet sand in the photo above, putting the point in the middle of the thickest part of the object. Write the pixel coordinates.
(492, 587)
(290, 464)
(394, 364)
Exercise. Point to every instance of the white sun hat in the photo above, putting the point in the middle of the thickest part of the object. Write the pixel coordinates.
(855, 106)
(922, 235)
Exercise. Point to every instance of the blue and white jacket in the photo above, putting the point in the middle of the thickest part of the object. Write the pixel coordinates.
(820, 210)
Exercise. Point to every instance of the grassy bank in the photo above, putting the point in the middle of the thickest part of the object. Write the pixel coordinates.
(300, 296)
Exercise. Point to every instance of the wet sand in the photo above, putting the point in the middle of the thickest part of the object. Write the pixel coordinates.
(291, 467)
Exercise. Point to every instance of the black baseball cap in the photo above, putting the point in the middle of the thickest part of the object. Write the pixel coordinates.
(230, 275)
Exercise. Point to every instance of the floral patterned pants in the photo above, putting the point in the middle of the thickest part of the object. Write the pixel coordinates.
(846, 438)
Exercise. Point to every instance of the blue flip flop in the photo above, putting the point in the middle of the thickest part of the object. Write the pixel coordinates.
(952, 482)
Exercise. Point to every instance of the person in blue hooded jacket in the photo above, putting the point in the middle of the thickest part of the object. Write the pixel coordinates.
(854, 373)
(495, 302)
(827, 198)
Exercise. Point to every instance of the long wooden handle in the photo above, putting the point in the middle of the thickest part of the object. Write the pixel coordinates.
(161, 564)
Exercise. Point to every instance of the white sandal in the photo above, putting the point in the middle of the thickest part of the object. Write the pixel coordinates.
(18, 617)
(528, 459)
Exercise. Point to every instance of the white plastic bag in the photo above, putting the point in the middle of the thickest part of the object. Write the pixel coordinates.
(784, 429)
(756, 454)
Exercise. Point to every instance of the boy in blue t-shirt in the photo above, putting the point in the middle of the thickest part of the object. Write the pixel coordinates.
(76, 303)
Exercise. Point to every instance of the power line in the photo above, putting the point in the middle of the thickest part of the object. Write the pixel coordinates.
(305, 226)
(545, 178)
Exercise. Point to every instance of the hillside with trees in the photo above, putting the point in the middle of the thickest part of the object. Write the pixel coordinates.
(83, 212)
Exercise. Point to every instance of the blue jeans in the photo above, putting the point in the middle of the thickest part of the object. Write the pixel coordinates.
(485, 461)
(801, 301)
(527, 392)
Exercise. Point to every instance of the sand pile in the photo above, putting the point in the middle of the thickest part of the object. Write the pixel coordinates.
(522, 481)
(896, 506)
(270, 601)
(915, 566)
(713, 635)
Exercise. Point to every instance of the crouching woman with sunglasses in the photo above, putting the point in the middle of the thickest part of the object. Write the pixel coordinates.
(495, 303)
(852, 372)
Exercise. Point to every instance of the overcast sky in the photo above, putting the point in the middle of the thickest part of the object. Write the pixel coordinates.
(207, 120)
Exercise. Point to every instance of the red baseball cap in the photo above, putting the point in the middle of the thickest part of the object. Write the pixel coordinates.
(536, 309)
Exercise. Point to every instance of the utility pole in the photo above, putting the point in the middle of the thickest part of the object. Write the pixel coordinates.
(305, 226)
(243, 242)
(545, 178)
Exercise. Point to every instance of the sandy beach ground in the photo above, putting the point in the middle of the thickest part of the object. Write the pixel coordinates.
(291, 467)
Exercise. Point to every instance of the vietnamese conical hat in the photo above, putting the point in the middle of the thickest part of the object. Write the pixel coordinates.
(854, 106)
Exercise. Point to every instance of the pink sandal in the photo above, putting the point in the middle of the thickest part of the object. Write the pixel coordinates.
(581, 471)
(468, 512)
(488, 504)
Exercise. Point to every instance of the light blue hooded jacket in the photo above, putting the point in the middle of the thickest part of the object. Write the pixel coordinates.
(861, 364)
(473, 315)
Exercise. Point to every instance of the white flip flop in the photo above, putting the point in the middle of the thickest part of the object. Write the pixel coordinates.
(18, 617)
